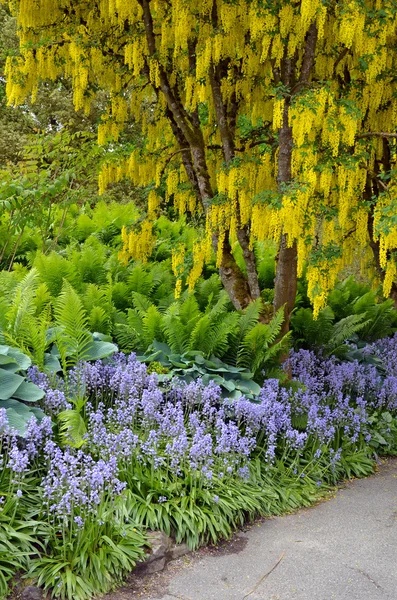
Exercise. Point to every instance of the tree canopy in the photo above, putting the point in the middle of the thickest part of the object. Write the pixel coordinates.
(272, 119)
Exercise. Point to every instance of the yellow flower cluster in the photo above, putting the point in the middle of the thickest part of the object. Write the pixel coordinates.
(137, 245)
(178, 263)
(201, 255)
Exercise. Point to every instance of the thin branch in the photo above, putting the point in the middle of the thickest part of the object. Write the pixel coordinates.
(173, 101)
(381, 134)
(341, 57)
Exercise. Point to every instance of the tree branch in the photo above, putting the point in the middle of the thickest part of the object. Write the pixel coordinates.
(381, 134)
(221, 116)
(308, 58)
(174, 103)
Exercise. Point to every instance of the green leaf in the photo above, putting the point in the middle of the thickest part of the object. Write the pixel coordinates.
(248, 386)
(29, 392)
(51, 363)
(229, 385)
(22, 359)
(96, 350)
(9, 383)
(16, 420)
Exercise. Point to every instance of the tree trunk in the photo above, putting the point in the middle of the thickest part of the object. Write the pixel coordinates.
(233, 280)
(286, 282)
(286, 270)
(250, 263)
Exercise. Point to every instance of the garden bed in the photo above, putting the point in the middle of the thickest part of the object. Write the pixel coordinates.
(117, 454)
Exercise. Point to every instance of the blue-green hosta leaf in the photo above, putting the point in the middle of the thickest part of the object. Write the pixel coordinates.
(246, 375)
(9, 383)
(16, 420)
(37, 412)
(7, 363)
(229, 385)
(101, 337)
(164, 377)
(97, 350)
(161, 346)
(215, 378)
(234, 395)
(199, 358)
(19, 415)
(249, 387)
(51, 363)
(29, 392)
(22, 359)
(180, 365)
(5, 360)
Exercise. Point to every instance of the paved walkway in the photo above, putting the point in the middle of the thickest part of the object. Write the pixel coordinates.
(342, 549)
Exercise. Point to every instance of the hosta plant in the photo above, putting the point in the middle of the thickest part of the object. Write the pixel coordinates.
(18, 396)
(189, 366)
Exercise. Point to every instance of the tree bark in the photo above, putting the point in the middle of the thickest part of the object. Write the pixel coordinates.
(232, 278)
(285, 285)
(286, 282)
(250, 263)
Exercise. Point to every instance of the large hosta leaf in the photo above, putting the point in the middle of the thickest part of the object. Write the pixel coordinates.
(9, 383)
(19, 415)
(29, 392)
(97, 350)
(22, 359)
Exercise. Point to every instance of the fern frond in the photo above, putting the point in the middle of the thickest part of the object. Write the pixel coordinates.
(72, 428)
(141, 303)
(73, 337)
(140, 281)
(176, 336)
(221, 334)
(343, 331)
(152, 322)
(99, 320)
(247, 320)
(22, 304)
(201, 337)
(256, 347)
(208, 290)
(309, 333)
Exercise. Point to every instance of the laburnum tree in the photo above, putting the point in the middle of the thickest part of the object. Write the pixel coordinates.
(273, 119)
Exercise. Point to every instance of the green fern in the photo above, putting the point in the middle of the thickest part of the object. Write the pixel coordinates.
(247, 321)
(140, 281)
(343, 331)
(208, 291)
(53, 270)
(309, 332)
(259, 345)
(72, 334)
(151, 323)
(22, 305)
(141, 302)
(72, 428)
(221, 334)
(129, 331)
(381, 321)
(176, 336)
